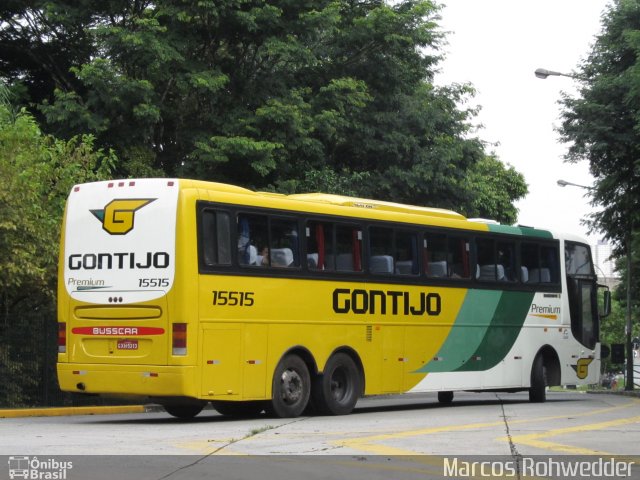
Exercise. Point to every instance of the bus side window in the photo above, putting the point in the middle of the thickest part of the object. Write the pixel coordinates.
(381, 250)
(320, 251)
(435, 256)
(530, 263)
(216, 238)
(406, 255)
(253, 240)
(458, 258)
(488, 270)
(507, 261)
(348, 248)
(549, 260)
(285, 246)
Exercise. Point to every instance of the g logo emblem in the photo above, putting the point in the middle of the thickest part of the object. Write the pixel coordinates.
(582, 367)
(118, 216)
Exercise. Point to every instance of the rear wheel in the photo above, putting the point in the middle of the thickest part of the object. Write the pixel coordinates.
(337, 390)
(291, 387)
(538, 390)
(185, 410)
(239, 409)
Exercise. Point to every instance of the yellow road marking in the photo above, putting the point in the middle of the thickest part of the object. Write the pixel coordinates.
(534, 439)
(370, 443)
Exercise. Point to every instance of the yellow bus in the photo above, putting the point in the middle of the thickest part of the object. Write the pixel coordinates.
(185, 292)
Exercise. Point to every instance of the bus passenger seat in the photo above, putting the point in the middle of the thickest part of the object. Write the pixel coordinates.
(344, 262)
(488, 273)
(437, 269)
(404, 267)
(312, 261)
(524, 274)
(247, 255)
(540, 275)
(381, 264)
(281, 257)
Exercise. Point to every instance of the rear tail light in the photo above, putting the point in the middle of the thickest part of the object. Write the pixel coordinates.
(179, 339)
(62, 337)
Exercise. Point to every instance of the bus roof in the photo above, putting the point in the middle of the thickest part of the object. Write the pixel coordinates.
(361, 207)
(345, 201)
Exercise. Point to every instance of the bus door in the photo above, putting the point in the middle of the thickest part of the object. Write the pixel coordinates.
(582, 290)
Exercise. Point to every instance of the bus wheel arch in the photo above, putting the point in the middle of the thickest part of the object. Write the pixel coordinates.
(545, 371)
(337, 389)
(291, 387)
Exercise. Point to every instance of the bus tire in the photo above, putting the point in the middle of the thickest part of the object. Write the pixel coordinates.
(291, 387)
(184, 411)
(538, 390)
(239, 409)
(445, 398)
(337, 389)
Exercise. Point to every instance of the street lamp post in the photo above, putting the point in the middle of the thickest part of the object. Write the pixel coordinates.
(543, 73)
(564, 183)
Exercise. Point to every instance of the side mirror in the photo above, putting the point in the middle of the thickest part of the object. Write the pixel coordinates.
(605, 351)
(606, 302)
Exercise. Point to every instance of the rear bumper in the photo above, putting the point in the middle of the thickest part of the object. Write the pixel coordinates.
(126, 380)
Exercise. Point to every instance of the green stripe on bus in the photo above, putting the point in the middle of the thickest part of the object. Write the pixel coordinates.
(526, 231)
(506, 324)
(467, 332)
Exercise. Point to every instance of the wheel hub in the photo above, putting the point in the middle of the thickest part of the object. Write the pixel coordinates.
(292, 386)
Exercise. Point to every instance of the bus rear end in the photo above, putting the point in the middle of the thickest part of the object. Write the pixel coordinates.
(117, 268)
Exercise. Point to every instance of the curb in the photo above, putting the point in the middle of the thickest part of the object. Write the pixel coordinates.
(66, 411)
(624, 393)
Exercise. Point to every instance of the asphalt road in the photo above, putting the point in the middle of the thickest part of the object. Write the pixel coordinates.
(410, 435)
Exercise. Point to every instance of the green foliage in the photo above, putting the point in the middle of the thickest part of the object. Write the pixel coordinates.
(280, 95)
(36, 175)
(493, 186)
(603, 123)
(37, 172)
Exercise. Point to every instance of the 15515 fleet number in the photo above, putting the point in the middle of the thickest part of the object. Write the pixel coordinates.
(232, 299)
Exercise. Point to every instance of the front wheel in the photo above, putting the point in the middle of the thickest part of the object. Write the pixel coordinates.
(291, 387)
(337, 390)
(538, 390)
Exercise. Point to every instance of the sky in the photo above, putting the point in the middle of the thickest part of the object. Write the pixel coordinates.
(496, 45)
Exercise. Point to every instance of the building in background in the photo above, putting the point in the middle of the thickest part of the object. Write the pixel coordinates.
(605, 266)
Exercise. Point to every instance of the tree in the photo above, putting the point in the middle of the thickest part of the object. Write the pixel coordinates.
(493, 187)
(281, 95)
(603, 126)
(602, 123)
(37, 172)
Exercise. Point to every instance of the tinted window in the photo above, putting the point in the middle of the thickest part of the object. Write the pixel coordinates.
(216, 238)
(265, 241)
(446, 256)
